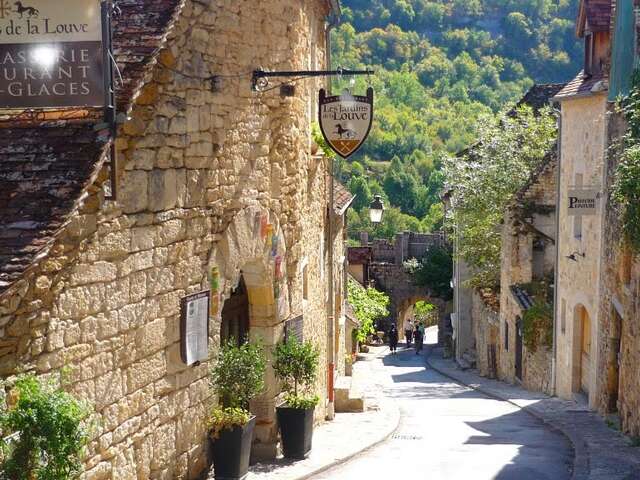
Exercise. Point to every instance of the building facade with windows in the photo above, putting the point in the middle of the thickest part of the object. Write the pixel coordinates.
(219, 189)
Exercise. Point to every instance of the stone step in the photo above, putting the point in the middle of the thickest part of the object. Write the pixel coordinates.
(347, 399)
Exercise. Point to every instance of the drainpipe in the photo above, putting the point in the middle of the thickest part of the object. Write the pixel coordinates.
(556, 280)
(331, 353)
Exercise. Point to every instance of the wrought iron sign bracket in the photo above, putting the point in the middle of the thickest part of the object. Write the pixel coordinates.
(260, 79)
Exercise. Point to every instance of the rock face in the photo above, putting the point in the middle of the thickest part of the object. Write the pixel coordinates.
(215, 182)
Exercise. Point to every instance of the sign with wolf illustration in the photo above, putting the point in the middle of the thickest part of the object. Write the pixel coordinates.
(345, 120)
(51, 54)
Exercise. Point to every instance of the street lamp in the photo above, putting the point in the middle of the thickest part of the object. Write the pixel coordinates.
(376, 209)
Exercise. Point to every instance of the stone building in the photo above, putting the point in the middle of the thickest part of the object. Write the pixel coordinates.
(218, 190)
(527, 269)
(619, 340)
(583, 143)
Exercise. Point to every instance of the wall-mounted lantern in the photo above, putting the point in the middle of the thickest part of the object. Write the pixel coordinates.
(376, 209)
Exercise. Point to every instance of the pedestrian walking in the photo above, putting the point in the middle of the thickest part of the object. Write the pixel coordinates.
(417, 339)
(408, 331)
(393, 339)
(422, 334)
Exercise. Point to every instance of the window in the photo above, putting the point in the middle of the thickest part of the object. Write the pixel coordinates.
(563, 317)
(506, 336)
(625, 266)
(537, 259)
(588, 54)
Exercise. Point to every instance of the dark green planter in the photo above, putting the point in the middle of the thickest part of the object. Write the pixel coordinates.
(231, 452)
(296, 430)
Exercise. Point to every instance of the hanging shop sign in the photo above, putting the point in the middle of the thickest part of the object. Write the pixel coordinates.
(345, 120)
(194, 327)
(51, 54)
(583, 201)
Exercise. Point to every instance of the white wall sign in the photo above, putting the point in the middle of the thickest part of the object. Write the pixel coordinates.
(583, 201)
(194, 327)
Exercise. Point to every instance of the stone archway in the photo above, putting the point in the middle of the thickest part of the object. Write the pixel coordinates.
(404, 307)
(253, 249)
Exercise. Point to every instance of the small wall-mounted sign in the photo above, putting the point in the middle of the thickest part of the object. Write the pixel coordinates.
(294, 328)
(345, 120)
(583, 201)
(51, 54)
(194, 327)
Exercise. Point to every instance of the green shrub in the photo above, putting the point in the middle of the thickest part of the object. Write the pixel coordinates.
(50, 432)
(296, 366)
(236, 377)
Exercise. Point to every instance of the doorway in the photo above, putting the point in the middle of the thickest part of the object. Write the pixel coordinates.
(519, 348)
(583, 324)
(235, 316)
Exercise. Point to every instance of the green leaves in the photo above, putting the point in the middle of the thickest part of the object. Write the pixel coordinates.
(485, 180)
(368, 305)
(296, 366)
(52, 431)
(435, 271)
(238, 374)
(626, 189)
(226, 418)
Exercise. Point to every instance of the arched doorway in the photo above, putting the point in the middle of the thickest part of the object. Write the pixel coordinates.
(582, 350)
(235, 315)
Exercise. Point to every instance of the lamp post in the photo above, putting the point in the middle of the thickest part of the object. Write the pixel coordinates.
(376, 210)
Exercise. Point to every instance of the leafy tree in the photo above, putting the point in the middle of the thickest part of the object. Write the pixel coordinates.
(484, 181)
(435, 271)
(369, 305)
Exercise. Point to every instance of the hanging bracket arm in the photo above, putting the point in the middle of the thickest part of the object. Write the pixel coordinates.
(261, 77)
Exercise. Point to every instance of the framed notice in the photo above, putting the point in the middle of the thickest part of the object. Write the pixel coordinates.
(194, 327)
(294, 328)
(51, 54)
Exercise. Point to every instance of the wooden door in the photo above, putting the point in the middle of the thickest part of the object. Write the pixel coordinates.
(235, 316)
(585, 351)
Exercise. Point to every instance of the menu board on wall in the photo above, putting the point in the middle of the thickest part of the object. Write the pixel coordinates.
(294, 328)
(194, 327)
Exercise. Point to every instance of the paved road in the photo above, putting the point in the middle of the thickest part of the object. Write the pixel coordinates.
(450, 432)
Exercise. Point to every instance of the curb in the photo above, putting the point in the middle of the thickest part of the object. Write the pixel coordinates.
(339, 461)
(580, 468)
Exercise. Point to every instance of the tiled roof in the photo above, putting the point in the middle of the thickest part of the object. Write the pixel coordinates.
(45, 169)
(579, 86)
(549, 161)
(342, 198)
(539, 96)
(595, 13)
(522, 297)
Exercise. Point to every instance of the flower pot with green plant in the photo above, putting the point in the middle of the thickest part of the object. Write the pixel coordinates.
(236, 377)
(296, 365)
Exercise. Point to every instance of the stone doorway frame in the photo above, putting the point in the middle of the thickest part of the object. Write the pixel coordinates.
(245, 251)
(580, 313)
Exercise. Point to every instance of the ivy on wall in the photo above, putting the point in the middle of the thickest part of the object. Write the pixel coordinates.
(537, 321)
(626, 189)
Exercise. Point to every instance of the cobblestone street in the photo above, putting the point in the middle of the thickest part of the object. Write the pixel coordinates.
(448, 431)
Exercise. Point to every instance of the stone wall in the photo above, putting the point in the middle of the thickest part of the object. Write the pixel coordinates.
(209, 178)
(528, 255)
(619, 344)
(582, 158)
(487, 335)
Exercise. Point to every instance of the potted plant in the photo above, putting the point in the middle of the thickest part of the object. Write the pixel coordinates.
(295, 365)
(236, 377)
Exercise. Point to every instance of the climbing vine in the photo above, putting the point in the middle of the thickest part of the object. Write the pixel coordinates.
(626, 189)
(537, 321)
(368, 305)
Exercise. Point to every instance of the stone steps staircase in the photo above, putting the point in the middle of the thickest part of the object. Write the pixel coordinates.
(348, 399)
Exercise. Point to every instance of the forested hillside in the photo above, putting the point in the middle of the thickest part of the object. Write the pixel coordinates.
(440, 65)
